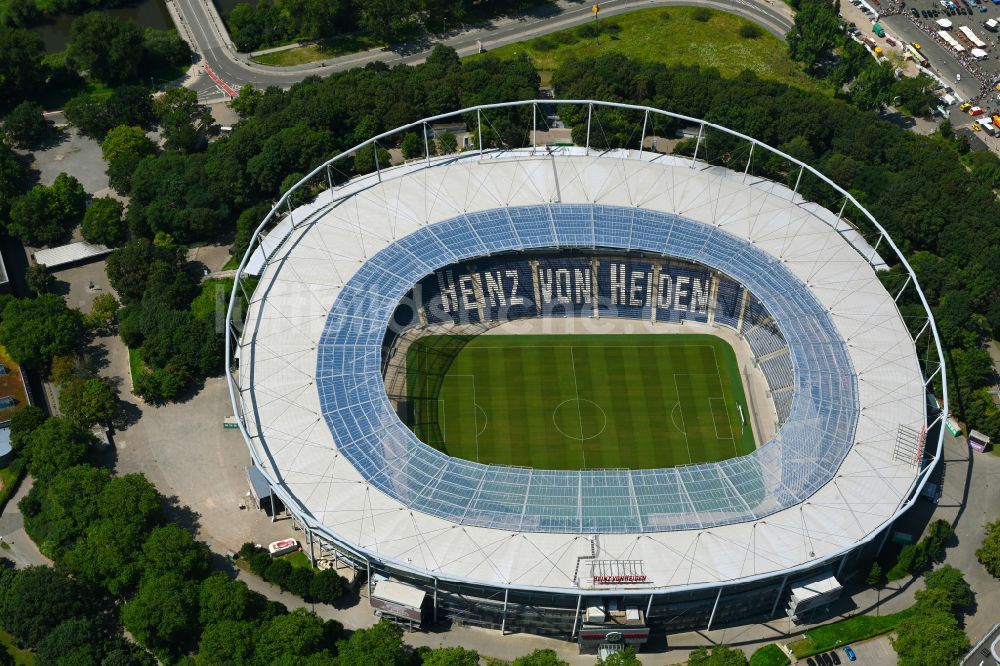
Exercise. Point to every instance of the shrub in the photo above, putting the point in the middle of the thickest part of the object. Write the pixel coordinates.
(278, 572)
(750, 31)
(259, 562)
(299, 581)
(327, 586)
(701, 15)
(988, 552)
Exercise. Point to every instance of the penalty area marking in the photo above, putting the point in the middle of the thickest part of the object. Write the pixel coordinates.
(715, 420)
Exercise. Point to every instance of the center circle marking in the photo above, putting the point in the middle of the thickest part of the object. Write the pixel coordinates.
(588, 417)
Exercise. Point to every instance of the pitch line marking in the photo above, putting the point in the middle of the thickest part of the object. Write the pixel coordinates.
(581, 438)
(718, 373)
(715, 421)
(687, 442)
(579, 409)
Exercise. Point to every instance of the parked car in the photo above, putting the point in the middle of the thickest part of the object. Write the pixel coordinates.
(810, 662)
(836, 659)
(850, 653)
(976, 111)
(890, 41)
(914, 13)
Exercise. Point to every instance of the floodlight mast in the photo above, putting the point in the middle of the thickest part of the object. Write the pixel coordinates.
(261, 456)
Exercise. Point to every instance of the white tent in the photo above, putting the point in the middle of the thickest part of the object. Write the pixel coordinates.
(944, 23)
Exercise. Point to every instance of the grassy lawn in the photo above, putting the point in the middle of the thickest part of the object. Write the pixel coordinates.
(299, 560)
(135, 364)
(328, 48)
(579, 401)
(851, 630)
(21, 657)
(672, 36)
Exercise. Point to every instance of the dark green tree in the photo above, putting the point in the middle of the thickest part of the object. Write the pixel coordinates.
(457, 656)
(80, 640)
(109, 49)
(21, 71)
(540, 657)
(11, 178)
(102, 223)
(951, 581)
(38, 600)
(39, 279)
(163, 614)
(171, 549)
(34, 330)
(930, 638)
(25, 125)
(89, 402)
(54, 446)
(988, 552)
(126, 139)
(227, 642)
(326, 586)
(24, 422)
(294, 635)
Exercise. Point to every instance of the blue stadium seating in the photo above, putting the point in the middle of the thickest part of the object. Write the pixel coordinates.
(625, 288)
(728, 301)
(820, 414)
(683, 292)
(565, 286)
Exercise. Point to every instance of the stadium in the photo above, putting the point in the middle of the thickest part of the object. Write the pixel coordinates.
(582, 389)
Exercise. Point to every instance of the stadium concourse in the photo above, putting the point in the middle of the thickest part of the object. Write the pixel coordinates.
(598, 555)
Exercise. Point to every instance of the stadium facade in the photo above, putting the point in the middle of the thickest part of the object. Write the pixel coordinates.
(341, 270)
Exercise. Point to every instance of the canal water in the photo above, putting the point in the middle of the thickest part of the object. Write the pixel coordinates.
(147, 13)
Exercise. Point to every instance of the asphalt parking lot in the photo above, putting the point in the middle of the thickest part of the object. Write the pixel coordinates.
(971, 79)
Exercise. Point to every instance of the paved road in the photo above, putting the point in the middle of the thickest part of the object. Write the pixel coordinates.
(199, 22)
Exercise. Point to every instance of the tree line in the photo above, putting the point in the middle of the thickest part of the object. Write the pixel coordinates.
(120, 564)
(272, 22)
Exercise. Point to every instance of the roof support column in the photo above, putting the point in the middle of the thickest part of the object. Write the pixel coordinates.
(903, 288)
(697, 144)
(576, 618)
(427, 145)
(503, 622)
(642, 139)
(329, 176)
(933, 375)
(272, 502)
(378, 169)
(840, 215)
(312, 553)
(479, 131)
(435, 600)
(777, 598)
(368, 566)
(749, 159)
(534, 128)
(590, 113)
(843, 561)
(711, 618)
(797, 181)
(649, 607)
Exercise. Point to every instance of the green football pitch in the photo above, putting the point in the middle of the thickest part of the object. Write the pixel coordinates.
(579, 401)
